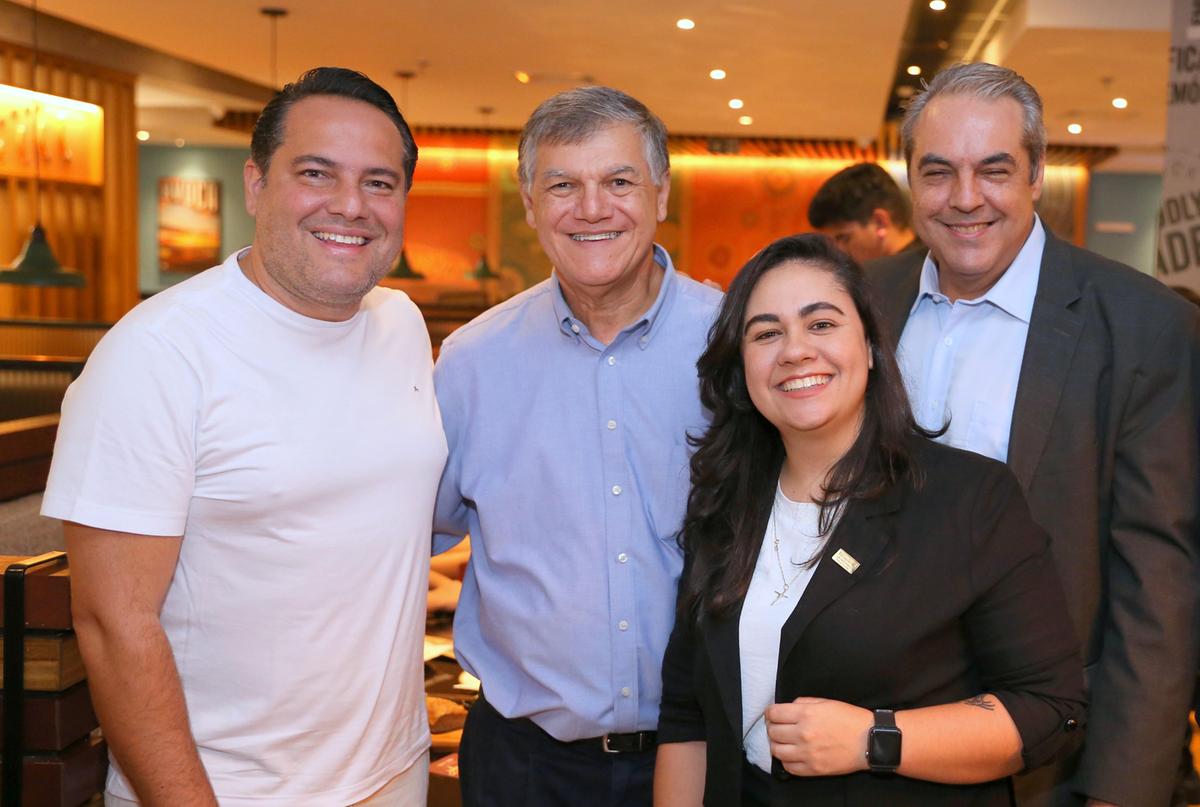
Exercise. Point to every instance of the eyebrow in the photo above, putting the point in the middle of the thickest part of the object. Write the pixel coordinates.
(559, 173)
(805, 311)
(1000, 157)
(325, 162)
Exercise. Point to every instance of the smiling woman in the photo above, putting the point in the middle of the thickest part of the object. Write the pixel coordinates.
(808, 663)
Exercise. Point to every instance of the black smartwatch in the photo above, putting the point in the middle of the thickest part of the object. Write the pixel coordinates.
(883, 743)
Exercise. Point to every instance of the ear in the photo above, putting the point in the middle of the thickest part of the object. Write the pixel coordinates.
(880, 222)
(1037, 180)
(870, 356)
(664, 193)
(253, 180)
(527, 200)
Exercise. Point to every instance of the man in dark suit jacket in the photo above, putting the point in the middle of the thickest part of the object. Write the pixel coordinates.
(1083, 375)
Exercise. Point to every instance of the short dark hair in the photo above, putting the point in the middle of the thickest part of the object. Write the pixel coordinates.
(736, 465)
(336, 81)
(853, 193)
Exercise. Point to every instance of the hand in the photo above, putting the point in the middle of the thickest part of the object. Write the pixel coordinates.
(819, 737)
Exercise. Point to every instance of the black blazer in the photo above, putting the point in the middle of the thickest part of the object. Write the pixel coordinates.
(956, 595)
(1105, 445)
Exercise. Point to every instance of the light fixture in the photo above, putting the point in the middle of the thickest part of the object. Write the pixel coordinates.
(914, 70)
(736, 103)
(404, 270)
(685, 24)
(273, 13)
(482, 270)
(1120, 103)
(36, 264)
(716, 75)
(937, 5)
(143, 135)
(745, 120)
(522, 76)
(1074, 128)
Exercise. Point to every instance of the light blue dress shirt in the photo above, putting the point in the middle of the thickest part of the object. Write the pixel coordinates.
(961, 360)
(569, 468)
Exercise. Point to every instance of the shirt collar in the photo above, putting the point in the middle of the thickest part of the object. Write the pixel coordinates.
(1016, 289)
(572, 326)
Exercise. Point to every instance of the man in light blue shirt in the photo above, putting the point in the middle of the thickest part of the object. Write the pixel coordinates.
(567, 411)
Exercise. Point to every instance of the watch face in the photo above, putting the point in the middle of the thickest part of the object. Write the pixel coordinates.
(884, 752)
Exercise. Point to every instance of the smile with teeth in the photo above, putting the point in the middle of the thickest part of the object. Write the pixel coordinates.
(594, 236)
(338, 238)
(793, 384)
(968, 229)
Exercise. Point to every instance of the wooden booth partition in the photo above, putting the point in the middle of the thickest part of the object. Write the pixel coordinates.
(92, 228)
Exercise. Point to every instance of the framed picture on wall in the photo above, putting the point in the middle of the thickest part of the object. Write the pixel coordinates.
(189, 224)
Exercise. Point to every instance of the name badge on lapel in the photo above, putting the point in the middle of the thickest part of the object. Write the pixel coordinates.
(846, 561)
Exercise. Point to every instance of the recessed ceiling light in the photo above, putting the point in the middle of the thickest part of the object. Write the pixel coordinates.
(1074, 128)
(1120, 103)
(914, 70)
(736, 103)
(180, 142)
(685, 24)
(521, 76)
(143, 135)
(745, 120)
(937, 5)
(717, 74)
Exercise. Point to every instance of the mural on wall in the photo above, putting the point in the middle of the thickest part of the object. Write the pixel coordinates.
(189, 224)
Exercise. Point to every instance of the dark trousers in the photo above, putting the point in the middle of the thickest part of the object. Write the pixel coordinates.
(513, 763)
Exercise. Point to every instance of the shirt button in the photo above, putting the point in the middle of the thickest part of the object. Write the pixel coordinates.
(1071, 724)
(948, 341)
(612, 360)
(625, 693)
(574, 328)
(616, 489)
(623, 624)
(622, 558)
(612, 424)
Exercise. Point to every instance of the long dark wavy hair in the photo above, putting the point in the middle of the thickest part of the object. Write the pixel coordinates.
(737, 461)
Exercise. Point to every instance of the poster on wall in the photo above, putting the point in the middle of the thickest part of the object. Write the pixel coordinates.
(1179, 218)
(189, 224)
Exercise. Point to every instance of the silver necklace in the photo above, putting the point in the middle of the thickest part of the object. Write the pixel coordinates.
(781, 594)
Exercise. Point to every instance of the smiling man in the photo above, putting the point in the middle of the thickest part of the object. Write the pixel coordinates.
(1083, 376)
(247, 469)
(567, 411)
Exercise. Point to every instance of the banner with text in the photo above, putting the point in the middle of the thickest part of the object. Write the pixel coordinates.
(1179, 218)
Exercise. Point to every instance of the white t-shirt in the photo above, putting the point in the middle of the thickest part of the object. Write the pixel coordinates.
(767, 606)
(299, 460)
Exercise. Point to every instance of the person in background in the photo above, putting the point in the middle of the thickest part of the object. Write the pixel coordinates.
(567, 410)
(865, 617)
(1081, 374)
(865, 212)
(246, 468)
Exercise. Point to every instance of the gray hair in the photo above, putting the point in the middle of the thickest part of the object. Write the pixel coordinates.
(991, 82)
(573, 116)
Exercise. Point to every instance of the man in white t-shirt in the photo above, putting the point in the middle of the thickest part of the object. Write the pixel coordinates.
(246, 470)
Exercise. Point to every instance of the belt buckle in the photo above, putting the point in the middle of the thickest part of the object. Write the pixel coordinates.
(604, 745)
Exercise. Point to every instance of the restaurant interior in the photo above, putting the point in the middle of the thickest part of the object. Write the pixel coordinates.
(124, 128)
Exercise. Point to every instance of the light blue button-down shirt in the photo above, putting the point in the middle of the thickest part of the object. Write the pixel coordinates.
(962, 360)
(569, 467)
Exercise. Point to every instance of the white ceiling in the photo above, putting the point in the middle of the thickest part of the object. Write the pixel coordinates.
(805, 68)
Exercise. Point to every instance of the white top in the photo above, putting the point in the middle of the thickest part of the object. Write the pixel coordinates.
(961, 360)
(299, 460)
(770, 600)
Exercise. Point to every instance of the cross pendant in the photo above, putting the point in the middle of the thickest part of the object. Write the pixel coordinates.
(779, 595)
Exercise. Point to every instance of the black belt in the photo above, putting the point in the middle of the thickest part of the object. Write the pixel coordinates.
(635, 742)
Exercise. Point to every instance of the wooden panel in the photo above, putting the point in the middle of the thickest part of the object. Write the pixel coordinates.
(25, 449)
(47, 595)
(52, 721)
(52, 662)
(92, 230)
(67, 779)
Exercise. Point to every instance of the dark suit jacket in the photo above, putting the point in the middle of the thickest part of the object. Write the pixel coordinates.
(1104, 443)
(956, 595)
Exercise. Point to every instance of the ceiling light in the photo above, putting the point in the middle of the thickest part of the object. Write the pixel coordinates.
(745, 120)
(937, 5)
(717, 74)
(736, 103)
(1120, 103)
(522, 76)
(1074, 128)
(685, 24)
(143, 135)
(914, 70)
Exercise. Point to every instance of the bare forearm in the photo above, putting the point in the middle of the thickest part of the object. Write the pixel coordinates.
(959, 743)
(679, 775)
(139, 700)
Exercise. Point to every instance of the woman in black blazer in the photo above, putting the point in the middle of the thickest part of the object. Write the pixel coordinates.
(865, 617)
